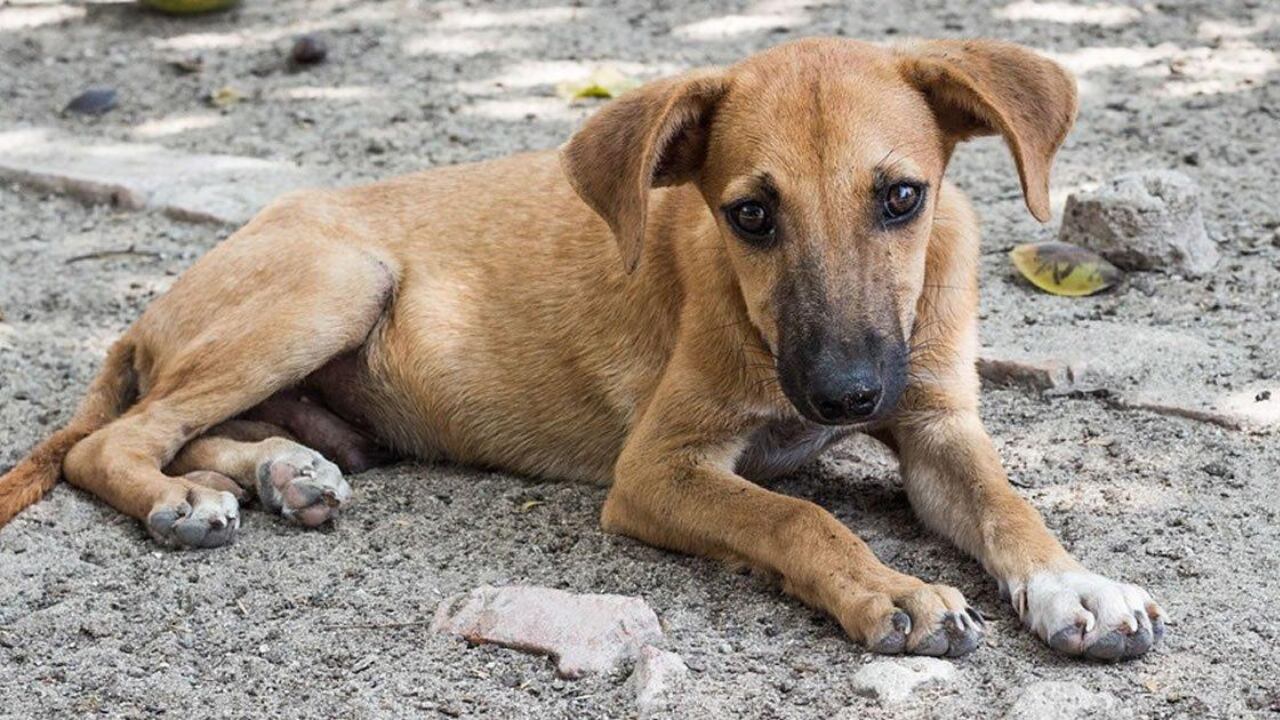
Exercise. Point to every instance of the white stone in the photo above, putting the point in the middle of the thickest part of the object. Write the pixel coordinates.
(1143, 221)
(204, 188)
(892, 681)
(583, 633)
(1049, 700)
(656, 678)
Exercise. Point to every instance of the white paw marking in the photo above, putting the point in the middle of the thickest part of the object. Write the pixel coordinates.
(1074, 610)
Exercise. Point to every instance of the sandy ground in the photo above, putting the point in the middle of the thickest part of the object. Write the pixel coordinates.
(95, 619)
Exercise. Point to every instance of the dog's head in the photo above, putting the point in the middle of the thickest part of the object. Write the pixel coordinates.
(821, 161)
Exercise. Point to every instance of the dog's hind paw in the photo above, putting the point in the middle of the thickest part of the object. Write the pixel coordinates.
(1083, 613)
(204, 518)
(303, 486)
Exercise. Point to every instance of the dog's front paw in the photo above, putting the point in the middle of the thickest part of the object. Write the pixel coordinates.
(1082, 613)
(916, 620)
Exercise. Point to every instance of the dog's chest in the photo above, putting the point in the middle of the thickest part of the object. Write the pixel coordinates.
(784, 446)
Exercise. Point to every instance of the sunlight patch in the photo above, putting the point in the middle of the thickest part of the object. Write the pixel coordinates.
(473, 19)
(1069, 13)
(527, 108)
(465, 45)
(720, 28)
(174, 124)
(1216, 29)
(549, 73)
(30, 16)
(344, 92)
(1234, 67)
(1090, 59)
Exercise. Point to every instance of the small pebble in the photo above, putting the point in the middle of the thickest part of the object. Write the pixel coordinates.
(308, 50)
(94, 101)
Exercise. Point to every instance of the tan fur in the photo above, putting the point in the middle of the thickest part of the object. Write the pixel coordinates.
(556, 315)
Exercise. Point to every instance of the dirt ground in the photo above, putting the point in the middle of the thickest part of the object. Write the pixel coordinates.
(97, 620)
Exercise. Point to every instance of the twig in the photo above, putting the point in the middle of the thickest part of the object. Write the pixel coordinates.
(103, 254)
(377, 626)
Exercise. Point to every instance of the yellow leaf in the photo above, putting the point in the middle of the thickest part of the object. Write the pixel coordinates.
(189, 7)
(1064, 269)
(225, 96)
(528, 505)
(605, 82)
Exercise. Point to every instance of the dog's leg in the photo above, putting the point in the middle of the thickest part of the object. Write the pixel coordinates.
(957, 486)
(316, 427)
(230, 333)
(674, 488)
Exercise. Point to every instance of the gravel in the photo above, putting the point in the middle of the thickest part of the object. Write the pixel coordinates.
(95, 619)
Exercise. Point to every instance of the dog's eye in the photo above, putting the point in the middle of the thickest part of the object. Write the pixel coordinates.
(751, 220)
(900, 201)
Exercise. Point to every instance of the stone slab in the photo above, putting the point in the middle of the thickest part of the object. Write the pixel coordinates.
(196, 187)
(583, 633)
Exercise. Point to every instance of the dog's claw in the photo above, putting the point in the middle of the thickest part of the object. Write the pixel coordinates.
(894, 641)
(962, 638)
(976, 617)
(1157, 629)
(204, 519)
(902, 622)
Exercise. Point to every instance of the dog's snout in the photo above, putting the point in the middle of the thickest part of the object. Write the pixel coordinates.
(842, 378)
(846, 399)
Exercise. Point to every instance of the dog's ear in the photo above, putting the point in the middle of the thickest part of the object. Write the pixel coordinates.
(652, 136)
(983, 87)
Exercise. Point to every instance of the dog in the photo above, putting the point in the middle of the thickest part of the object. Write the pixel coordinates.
(716, 278)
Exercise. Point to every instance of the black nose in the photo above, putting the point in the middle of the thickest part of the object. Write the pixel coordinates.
(847, 403)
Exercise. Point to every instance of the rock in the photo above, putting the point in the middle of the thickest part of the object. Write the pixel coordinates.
(1049, 700)
(893, 681)
(94, 101)
(205, 188)
(1143, 221)
(308, 50)
(1031, 374)
(582, 633)
(656, 678)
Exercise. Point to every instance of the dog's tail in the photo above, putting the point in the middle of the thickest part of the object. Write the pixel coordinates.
(111, 392)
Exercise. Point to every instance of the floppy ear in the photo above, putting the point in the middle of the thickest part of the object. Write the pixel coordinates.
(983, 87)
(652, 136)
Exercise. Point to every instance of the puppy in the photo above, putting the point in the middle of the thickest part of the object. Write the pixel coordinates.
(720, 275)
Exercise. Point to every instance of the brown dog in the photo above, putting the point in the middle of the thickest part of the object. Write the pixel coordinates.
(803, 271)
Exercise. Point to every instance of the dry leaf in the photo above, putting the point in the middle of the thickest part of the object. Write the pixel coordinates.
(189, 7)
(603, 82)
(225, 96)
(1064, 269)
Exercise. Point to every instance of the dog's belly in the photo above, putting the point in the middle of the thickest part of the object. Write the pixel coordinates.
(384, 407)
(582, 444)
(783, 446)
(445, 387)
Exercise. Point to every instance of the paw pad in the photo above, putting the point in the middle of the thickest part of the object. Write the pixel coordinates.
(303, 487)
